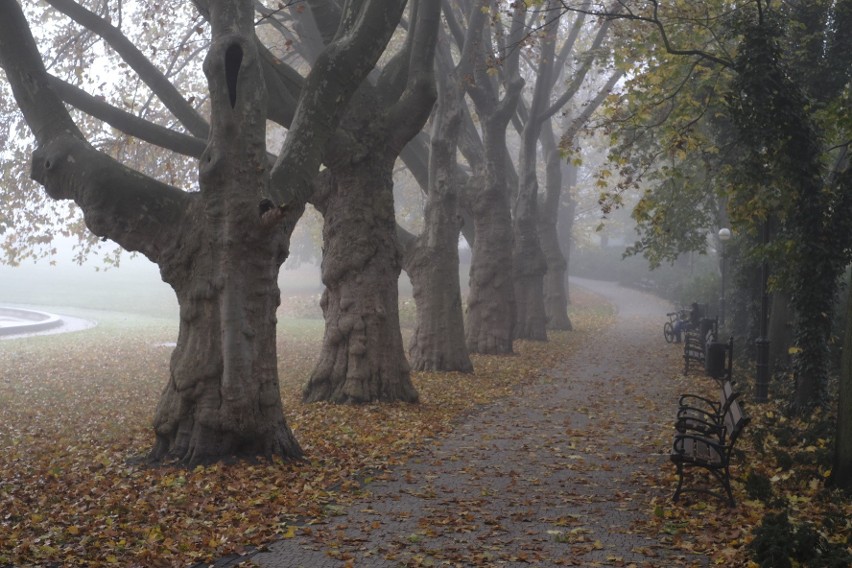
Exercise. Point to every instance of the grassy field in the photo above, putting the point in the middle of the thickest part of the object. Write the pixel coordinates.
(135, 287)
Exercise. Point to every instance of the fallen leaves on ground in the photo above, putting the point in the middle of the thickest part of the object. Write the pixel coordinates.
(75, 411)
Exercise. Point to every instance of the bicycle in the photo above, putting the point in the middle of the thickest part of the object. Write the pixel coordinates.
(669, 327)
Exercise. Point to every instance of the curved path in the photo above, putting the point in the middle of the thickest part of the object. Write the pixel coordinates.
(561, 474)
(24, 321)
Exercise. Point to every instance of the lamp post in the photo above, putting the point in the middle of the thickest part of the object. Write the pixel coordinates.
(762, 343)
(724, 236)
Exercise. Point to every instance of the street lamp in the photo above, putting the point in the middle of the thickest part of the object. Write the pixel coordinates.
(724, 236)
(762, 375)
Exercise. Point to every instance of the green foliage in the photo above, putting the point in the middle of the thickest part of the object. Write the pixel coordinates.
(758, 486)
(783, 158)
(670, 135)
(778, 543)
(772, 546)
(741, 119)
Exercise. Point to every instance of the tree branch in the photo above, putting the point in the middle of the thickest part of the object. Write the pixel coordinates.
(415, 104)
(337, 73)
(137, 61)
(134, 210)
(655, 21)
(127, 122)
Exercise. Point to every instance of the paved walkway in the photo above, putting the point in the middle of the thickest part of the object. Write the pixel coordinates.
(558, 475)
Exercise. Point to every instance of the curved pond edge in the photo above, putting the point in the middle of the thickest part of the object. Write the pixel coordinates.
(28, 321)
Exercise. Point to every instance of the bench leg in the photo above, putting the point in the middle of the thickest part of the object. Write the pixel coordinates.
(726, 482)
(676, 495)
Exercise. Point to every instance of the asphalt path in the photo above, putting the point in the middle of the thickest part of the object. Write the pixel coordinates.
(563, 473)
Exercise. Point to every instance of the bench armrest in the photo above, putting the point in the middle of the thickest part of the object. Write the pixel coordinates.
(714, 404)
(709, 413)
(687, 424)
(680, 439)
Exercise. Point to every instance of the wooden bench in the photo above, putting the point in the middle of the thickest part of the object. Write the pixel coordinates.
(693, 352)
(710, 451)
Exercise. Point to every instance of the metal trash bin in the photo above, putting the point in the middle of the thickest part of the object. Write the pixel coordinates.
(715, 360)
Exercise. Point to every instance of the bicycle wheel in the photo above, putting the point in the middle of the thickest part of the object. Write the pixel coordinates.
(668, 332)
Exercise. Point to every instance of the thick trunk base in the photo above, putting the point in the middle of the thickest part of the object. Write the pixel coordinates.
(438, 340)
(362, 358)
(490, 314)
(223, 400)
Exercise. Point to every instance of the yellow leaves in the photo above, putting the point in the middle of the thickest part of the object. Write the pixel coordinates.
(155, 534)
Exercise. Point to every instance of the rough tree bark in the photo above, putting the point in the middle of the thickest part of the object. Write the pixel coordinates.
(224, 271)
(432, 259)
(490, 314)
(362, 357)
(529, 261)
(555, 296)
(216, 248)
(841, 472)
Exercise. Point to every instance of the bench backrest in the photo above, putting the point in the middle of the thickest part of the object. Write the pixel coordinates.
(727, 397)
(735, 421)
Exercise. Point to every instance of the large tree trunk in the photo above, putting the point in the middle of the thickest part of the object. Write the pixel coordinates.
(490, 315)
(432, 262)
(528, 260)
(491, 300)
(530, 267)
(223, 397)
(362, 358)
(841, 473)
(780, 331)
(438, 343)
(555, 294)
